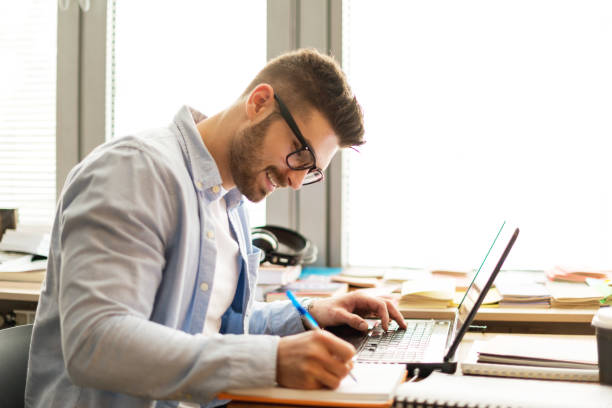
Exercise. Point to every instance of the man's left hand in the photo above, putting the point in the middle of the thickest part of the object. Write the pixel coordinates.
(350, 309)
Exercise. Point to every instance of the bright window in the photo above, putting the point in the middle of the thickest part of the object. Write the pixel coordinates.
(28, 52)
(188, 52)
(478, 112)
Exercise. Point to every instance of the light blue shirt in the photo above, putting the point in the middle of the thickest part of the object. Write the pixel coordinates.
(129, 280)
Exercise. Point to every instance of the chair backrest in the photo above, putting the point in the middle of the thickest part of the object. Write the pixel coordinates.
(14, 350)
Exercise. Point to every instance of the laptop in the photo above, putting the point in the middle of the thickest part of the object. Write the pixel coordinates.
(430, 344)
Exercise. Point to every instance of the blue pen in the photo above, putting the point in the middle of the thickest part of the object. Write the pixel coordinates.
(310, 321)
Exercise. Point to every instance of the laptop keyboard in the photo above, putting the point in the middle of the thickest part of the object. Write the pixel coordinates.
(396, 345)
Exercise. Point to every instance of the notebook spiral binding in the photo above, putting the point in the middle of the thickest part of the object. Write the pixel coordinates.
(419, 403)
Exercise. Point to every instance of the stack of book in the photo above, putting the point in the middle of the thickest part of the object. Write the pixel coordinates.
(427, 293)
(573, 295)
(522, 293)
(271, 277)
(492, 298)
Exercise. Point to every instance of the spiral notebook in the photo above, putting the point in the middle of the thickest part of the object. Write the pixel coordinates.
(441, 390)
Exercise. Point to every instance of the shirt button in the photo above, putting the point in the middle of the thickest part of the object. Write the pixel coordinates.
(210, 234)
(204, 286)
(216, 189)
(199, 184)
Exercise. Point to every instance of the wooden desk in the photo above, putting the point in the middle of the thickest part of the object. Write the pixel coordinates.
(15, 296)
(520, 320)
(22, 291)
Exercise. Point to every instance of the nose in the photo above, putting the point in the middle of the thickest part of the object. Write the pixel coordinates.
(296, 178)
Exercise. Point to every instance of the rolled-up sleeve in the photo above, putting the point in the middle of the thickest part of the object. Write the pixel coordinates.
(277, 318)
(118, 216)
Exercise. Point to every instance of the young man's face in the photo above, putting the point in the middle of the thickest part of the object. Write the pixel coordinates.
(258, 153)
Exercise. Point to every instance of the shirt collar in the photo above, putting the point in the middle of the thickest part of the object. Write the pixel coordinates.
(202, 167)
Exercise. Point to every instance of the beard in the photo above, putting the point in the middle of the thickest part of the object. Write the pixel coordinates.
(245, 160)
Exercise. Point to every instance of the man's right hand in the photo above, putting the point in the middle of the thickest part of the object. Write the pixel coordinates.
(313, 359)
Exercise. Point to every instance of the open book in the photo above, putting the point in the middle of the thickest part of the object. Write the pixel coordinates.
(375, 386)
(427, 293)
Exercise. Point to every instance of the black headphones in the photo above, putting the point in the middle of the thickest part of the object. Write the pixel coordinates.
(282, 246)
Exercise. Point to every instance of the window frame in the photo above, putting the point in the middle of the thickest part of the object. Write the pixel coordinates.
(82, 101)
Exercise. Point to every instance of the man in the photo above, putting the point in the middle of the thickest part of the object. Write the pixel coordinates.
(148, 296)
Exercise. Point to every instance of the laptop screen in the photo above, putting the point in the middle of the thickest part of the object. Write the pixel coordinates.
(483, 280)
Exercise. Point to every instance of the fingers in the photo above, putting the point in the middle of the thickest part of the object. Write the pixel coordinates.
(339, 361)
(353, 320)
(313, 359)
(385, 309)
(380, 308)
(330, 380)
(395, 313)
(342, 350)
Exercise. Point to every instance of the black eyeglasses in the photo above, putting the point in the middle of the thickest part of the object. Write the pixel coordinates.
(303, 158)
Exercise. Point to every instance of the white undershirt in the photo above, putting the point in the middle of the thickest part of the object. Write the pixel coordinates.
(226, 272)
(226, 267)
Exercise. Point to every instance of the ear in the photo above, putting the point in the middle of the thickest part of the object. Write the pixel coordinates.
(260, 101)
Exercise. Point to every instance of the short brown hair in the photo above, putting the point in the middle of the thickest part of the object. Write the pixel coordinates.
(306, 79)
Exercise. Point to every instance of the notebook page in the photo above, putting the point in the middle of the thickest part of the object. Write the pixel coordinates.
(375, 382)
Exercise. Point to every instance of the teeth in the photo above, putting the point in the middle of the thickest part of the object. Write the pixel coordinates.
(270, 178)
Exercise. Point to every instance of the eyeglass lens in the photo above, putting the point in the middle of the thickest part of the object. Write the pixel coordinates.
(301, 160)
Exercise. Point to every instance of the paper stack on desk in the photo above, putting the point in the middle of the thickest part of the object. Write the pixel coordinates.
(534, 357)
(22, 268)
(492, 298)
(271, 277)
(30, 240)
(567, 274)
(573, 295)
(23, 254)
(269, 274)
(427, 293)
(522, 294)
(312, 287)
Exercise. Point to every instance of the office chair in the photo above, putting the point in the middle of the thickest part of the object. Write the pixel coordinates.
(14, 349)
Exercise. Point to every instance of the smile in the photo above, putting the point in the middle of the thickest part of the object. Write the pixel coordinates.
(269, 177)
